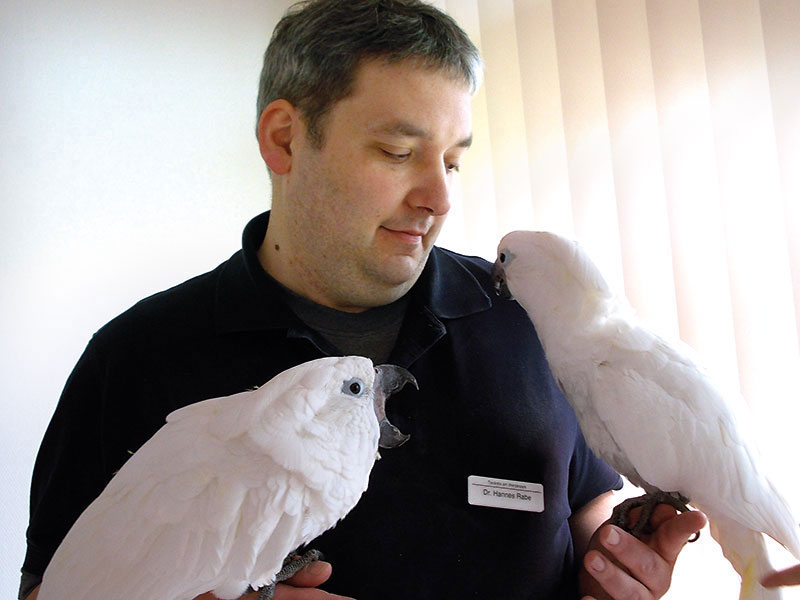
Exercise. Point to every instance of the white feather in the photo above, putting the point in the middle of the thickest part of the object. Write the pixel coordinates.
(219, 496)
(644, 405)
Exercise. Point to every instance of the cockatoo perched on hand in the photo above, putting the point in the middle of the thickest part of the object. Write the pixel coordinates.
(643, 405)
(219, 496)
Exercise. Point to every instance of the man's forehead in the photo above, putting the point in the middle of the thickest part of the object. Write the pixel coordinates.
(403, 128)
(405, 100)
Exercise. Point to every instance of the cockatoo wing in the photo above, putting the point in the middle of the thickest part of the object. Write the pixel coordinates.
(672, 427)
(166, 516)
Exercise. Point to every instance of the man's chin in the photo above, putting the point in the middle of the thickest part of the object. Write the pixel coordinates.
(402, 271)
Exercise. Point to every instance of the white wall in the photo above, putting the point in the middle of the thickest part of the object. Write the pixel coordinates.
(129, 164)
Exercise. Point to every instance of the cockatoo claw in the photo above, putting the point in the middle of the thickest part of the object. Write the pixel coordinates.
(291, 566)
(648, 503)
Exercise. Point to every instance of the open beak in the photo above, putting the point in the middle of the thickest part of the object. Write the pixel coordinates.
(388, 380)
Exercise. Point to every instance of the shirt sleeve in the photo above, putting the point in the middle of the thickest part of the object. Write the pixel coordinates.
(589, 476)
(69, 472)
(27, 583)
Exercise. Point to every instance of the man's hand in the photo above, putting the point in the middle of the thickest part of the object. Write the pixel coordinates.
(300, 587)
(618, 565)
(790, 576)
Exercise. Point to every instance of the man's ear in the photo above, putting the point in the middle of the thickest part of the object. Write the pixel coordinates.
(279, 122)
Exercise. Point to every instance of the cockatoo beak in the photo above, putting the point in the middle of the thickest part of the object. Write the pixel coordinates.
(388, 380)
(499, 279)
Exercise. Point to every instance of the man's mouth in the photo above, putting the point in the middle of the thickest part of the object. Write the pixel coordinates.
(408, 236)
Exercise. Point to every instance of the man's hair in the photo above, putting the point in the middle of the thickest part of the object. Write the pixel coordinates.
(316, 48)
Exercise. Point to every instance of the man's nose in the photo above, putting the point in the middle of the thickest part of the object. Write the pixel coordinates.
(431, 191)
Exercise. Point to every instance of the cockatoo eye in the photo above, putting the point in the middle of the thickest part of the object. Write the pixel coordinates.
(353, 387)
(505, 257)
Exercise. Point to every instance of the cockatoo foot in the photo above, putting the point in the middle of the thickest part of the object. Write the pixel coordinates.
(291, 566)
(648, 503)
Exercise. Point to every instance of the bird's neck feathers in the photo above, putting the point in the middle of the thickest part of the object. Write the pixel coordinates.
(572, 293)
(564, 322)
(565, 294)
(588, 281)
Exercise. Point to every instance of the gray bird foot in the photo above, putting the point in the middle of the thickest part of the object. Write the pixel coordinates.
(648, 503)
(291, 565)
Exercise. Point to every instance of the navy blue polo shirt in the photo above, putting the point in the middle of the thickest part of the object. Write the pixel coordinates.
(487, 406)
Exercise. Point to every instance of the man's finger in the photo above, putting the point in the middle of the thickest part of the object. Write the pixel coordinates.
(643, 563)
(661, 514)
(790, 576)
(316, 573)
(287, 592)
(616, 582)
(303, 584)
(672, 534)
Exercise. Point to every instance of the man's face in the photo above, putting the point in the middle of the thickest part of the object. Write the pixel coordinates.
(366, 207)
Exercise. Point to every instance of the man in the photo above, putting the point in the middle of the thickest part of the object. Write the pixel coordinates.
(363, 120)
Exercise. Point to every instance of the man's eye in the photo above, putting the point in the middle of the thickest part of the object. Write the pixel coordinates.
(398, 156)
(452, 167)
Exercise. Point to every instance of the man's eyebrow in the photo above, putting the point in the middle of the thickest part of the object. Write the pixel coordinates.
(406, 129)
(466, 142)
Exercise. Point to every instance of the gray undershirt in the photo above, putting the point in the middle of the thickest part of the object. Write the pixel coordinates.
(371, 333)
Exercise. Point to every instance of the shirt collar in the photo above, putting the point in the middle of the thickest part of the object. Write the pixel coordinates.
(448, 289)
(247, 298)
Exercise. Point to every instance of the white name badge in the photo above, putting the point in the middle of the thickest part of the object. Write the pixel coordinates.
(504, 493)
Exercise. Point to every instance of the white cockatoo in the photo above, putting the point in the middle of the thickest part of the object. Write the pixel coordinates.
(228, 487)
(644, 405)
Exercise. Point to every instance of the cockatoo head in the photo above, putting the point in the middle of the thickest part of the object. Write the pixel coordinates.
(550, 276)
(358, 380)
